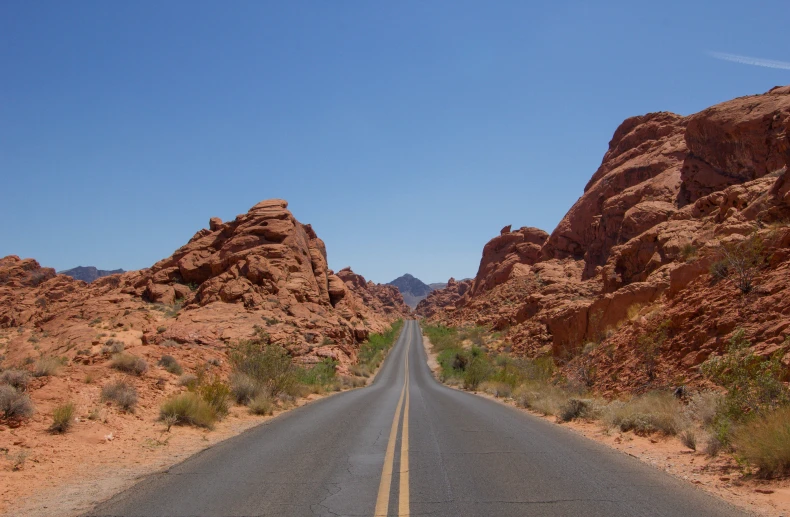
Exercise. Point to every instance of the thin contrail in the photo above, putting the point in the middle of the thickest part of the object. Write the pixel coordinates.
(754, 61)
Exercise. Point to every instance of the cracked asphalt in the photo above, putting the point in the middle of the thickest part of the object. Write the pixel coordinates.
(468, 456)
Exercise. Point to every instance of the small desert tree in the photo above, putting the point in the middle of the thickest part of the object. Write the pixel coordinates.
(740, 261)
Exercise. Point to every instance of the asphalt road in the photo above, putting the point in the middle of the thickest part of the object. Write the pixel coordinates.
(407, 445)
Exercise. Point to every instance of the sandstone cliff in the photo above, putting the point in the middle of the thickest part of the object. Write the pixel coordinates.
(631, 261)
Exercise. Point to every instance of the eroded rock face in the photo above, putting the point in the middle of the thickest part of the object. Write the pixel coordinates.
(263, 271)
(634, 252)
(443, 299)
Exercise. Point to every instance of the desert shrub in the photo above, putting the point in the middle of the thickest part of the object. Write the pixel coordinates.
(476, 371)
(575, 408)
(704, 406)
(217, 395)
(689, 439)
(740, 261)
(47, 366)
(372, 351)
(262, 404)
(320, 374)
(129, 363)
(243, 388)
(169, 363)
(121, 393)
(474, 334)
(764, 443)
(496, 388)
(189, 380)
(754, 384)
(62, 418)
(649, 346)
(13, 404)
(688, 252)
(112, 346)
(442, 338)
(19, 379)
(713, 446)
(649, 413)
(188, 409)
(541, 397)
(267, 364)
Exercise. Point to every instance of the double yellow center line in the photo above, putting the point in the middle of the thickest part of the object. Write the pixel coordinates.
(383, 499)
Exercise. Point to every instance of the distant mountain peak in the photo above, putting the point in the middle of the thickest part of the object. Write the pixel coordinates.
(413, 289)
(89, 273)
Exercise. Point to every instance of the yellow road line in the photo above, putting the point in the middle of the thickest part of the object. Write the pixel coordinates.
(383, 499)
(403, 491)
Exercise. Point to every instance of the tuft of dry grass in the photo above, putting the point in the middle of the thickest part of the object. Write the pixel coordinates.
(62, 418)
(689, 439)
(121, 393)
(129, 364)
(497, 389)
(541, 397)
(47, 366)
(705, 405)
(764, 443)
(188, 409)
(262, 404)
(170, 364)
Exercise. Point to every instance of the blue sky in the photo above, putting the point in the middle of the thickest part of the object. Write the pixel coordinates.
(407, 133)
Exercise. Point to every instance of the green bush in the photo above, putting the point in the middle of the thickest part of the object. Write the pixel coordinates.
(217, 395)
(476, 371)
(267, 364)
(320, 374)
(188, 409)
(170, 364)
(121, 393)
(764, 443)
(62, 418)
(754, 384)
(13, 404)
(129, 363)
(372, 351)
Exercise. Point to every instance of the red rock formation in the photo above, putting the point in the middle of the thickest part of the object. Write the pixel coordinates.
(264, 269)
(441, 300)
(635, 250)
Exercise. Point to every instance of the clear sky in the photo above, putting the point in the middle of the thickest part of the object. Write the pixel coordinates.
(408, 133)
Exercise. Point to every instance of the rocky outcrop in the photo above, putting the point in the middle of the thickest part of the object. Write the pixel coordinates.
(634, 253)
(262, 272)
(444, 299)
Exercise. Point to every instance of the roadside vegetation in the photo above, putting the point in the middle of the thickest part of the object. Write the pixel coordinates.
(748, 416)
(264, 378)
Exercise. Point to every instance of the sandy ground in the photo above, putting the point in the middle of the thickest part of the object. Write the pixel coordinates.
(720, 476)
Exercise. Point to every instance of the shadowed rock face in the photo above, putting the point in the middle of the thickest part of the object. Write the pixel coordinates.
(89, 273)
(635, 250)
(263, 270)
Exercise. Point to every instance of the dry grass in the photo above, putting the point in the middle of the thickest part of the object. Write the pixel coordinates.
(262, 404)
(764, 443)
(13, 404)
(170, 364)
(121, 393)
(47, 366)
(188, 409)
(129, 364)
(704, 406)
(650, 413)
(497, 389)
(62, 418)
(689, 438)
(19, 379)
(543, 398)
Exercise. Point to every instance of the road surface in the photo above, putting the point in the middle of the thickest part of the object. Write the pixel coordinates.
(407, 445)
